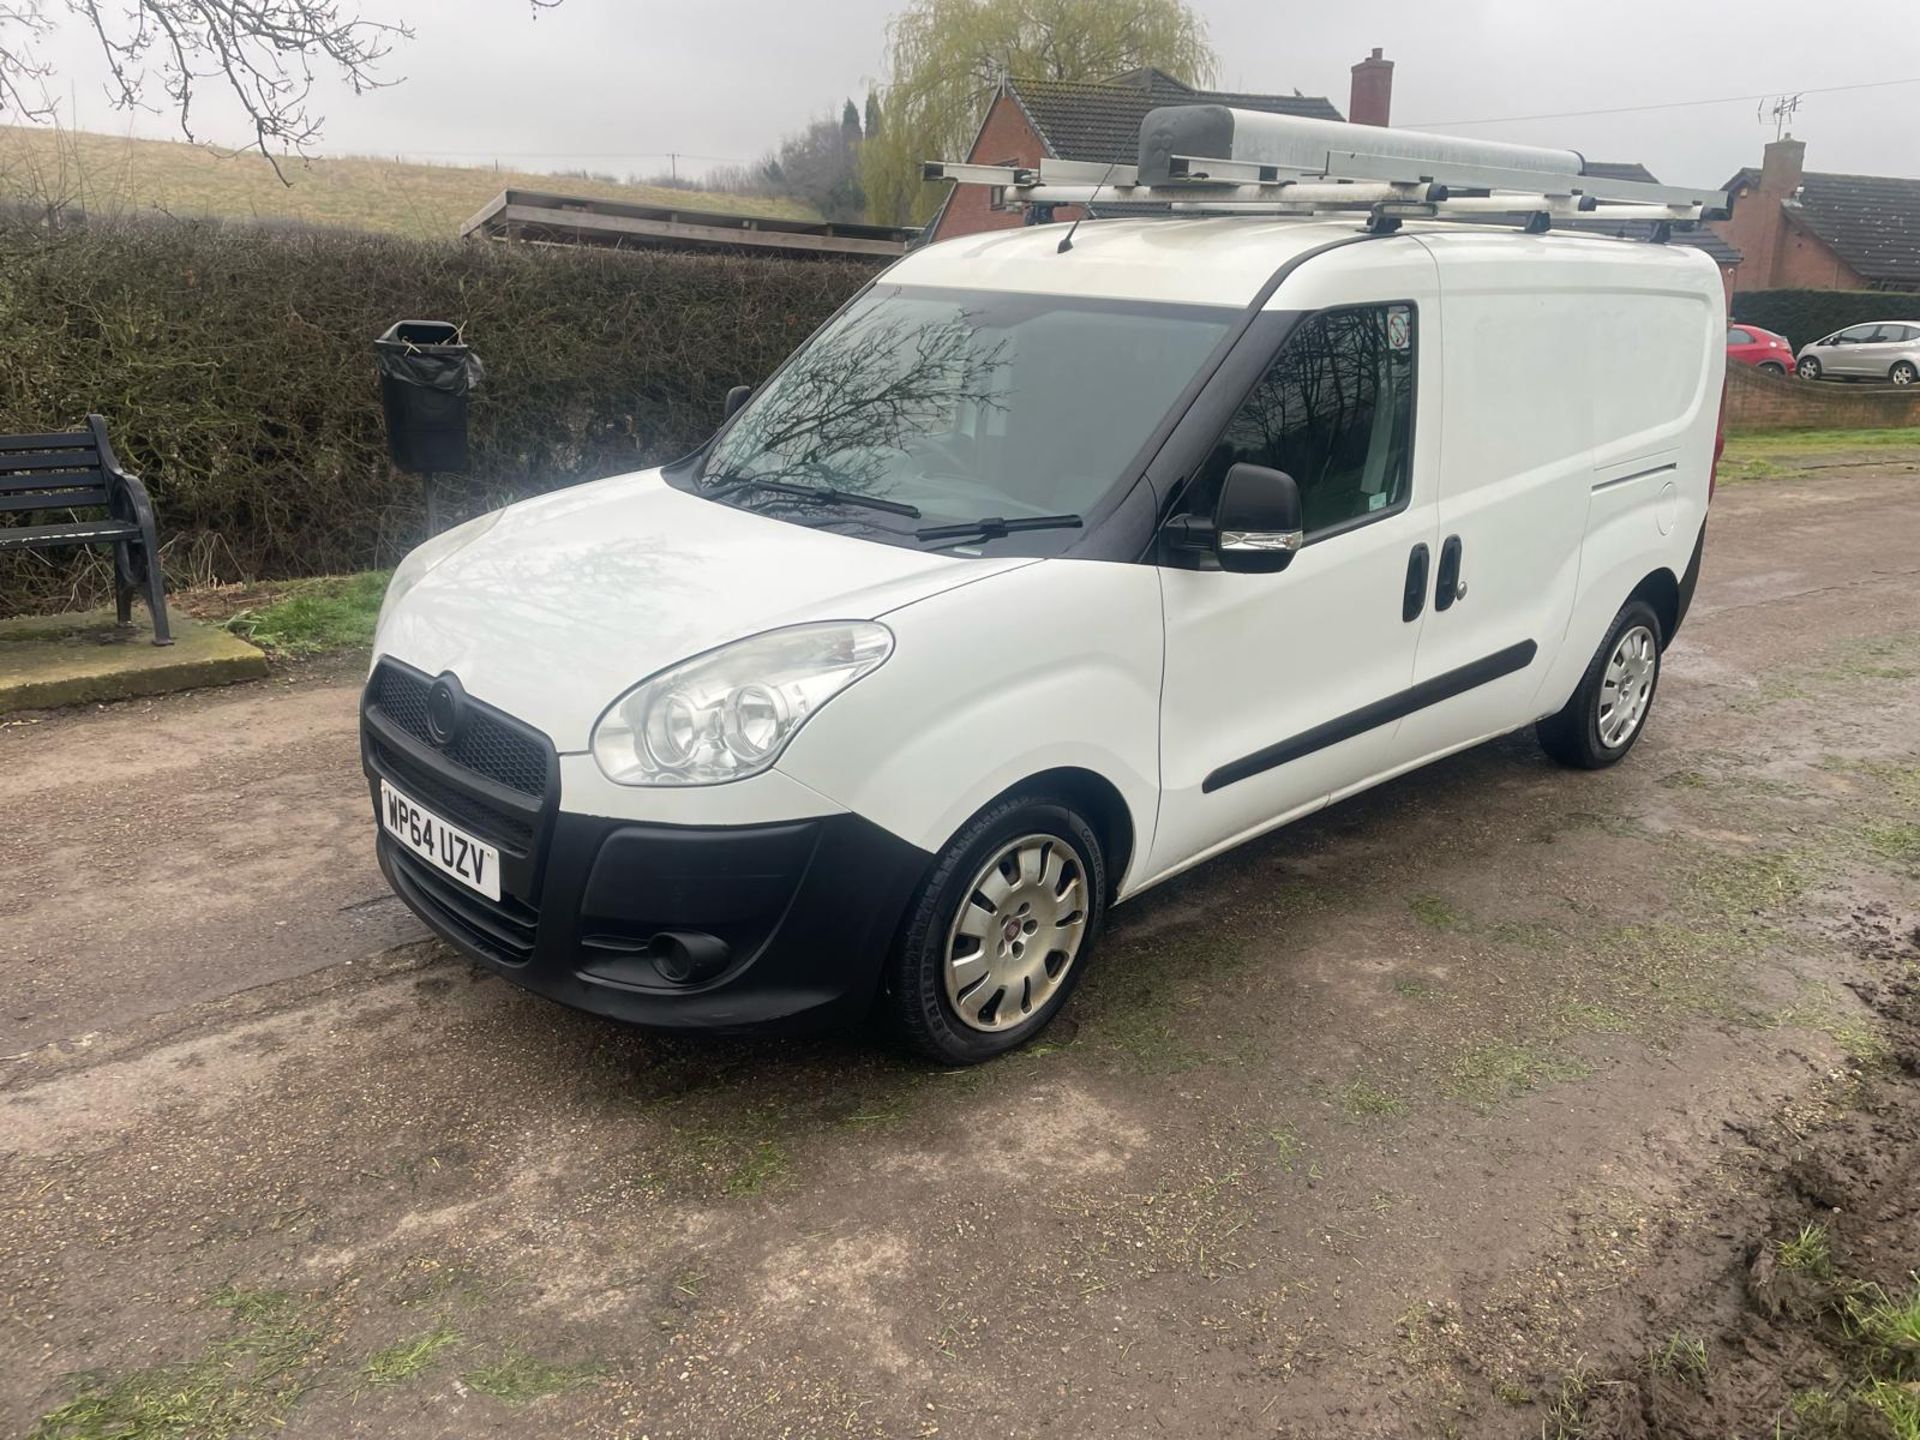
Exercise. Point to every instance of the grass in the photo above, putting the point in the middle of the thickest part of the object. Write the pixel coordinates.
(242, 1383)
(1807, 1251)
(402, 1361)
(518, 1377)
(109, 175)
(313, 617)
(1436, 912)
(1498, 1070)
(1777, 453)
(1683, 1357)
(1366, 1100)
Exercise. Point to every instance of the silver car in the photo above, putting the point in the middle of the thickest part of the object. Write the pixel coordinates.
(1886, 350)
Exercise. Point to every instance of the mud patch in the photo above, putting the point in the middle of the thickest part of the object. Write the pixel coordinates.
(1810, 1326)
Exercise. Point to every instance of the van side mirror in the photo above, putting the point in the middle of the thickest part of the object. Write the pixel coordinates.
(1257, 525)
(736, 397)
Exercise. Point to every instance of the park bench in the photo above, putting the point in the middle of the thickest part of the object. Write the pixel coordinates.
(78, 471)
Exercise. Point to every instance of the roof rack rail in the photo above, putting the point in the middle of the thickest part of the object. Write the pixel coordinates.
(1212, 159)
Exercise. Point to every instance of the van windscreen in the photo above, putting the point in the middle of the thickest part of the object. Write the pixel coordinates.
(964, 404)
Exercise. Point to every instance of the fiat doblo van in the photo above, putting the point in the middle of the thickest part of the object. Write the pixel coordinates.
(1038, 575)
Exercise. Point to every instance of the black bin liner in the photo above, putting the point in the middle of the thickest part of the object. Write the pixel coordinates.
(426, 375)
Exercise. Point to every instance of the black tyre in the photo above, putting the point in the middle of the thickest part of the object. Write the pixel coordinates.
(1772, 367)
(1905, 373)
(1808, 369)
(1610, 706)
(1000, 931)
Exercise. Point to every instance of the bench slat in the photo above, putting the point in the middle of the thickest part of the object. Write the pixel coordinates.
(55, 480)
(75, 459)
(75, 499)
(79, 532)
(73, 440)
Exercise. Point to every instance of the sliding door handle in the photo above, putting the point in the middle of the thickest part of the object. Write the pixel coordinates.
(1414, 598)
(1447, 585)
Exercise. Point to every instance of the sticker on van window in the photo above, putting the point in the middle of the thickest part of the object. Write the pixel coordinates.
(1399, 329)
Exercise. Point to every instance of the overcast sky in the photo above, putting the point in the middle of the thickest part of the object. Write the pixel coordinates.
(616, 84)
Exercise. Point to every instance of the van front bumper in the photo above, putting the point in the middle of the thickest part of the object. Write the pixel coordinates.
(794, 920)
(677, 926)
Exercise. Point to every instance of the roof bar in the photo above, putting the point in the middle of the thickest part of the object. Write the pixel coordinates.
(1220, 159)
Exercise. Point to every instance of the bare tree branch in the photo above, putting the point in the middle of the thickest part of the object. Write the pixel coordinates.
(265, 54)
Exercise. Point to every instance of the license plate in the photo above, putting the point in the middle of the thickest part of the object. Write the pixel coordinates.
(472, 862)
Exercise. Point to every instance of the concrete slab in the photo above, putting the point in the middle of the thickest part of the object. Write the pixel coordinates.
(80, 659)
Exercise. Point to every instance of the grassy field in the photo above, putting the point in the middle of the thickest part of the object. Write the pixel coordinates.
(111, 175)
(1772, 454)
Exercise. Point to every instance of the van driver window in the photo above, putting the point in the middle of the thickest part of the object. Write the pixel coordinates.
(1335, 411)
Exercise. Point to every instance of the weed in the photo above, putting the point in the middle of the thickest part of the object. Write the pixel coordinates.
(1807, 1251)
(1898, 841)
(1683, 1357)
(243, 1382)
(1736, 885)
(517, 1376)
(1511, 1392)
(407, 1358)
(1436, 912)
(1496, 1070)
(735, 1152)
(1148, 1043)
(1287, 1148)
(1363, 1098)
(311, 617)
(1603, 1019)
(1819, 1007)
(1888, 1328)
(1413, 990)
(1566, 1413)
(1898, 1404)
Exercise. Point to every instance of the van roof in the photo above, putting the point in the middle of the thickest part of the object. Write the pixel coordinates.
(1201, 260)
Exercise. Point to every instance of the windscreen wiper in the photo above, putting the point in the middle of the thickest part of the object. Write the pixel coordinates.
(995, 527)
(729, 483)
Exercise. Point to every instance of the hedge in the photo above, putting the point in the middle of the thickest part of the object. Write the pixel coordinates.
(234, 366)
(1806, 315)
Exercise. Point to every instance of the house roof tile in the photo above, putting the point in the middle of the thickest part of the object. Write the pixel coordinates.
(1100, 121)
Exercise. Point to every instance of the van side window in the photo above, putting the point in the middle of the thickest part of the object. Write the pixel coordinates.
(1335, 411)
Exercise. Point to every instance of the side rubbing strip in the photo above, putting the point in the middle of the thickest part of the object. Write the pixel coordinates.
(1371, 717)
(1637, 475)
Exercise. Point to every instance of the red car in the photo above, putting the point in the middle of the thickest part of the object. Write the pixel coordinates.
(1751, 345)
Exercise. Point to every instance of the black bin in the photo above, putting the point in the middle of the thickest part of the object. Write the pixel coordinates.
(426, 375)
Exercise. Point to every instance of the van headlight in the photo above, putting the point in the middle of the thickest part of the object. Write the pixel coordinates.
(421, 560)
(729, 713)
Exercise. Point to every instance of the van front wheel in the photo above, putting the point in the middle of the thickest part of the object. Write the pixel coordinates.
(1609, 709)
(999, 933)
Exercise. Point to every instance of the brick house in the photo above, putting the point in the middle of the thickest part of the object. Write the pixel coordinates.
(1801, 230)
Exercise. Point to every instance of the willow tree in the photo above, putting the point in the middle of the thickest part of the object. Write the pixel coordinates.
(946, 59)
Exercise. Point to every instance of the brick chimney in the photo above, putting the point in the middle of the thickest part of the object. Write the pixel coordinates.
(1372, 95)
(1780, 171)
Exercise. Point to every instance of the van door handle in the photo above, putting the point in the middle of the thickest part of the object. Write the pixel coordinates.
(1447, 586)
(1414, 599)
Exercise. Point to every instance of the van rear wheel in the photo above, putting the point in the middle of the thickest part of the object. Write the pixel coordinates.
(999, 933)
(1609, 708)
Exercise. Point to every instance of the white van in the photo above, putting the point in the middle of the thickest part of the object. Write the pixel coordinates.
(1036, 576)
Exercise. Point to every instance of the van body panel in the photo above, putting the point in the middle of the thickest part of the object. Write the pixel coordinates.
(1579, 372)
(574, 597)
(1057, 664)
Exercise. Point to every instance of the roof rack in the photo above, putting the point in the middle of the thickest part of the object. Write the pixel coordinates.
(1213, 159)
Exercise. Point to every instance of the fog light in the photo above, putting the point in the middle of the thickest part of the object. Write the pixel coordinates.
(686, 957)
